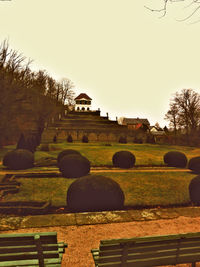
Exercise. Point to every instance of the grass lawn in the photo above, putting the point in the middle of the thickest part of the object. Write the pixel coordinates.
(101, 155)
(140, 188)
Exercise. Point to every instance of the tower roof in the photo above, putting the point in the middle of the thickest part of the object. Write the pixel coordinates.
(82, 95)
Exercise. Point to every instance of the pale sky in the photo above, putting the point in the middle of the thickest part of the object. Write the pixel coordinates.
(126, 58)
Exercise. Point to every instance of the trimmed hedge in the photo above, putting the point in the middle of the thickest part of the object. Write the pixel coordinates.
(175, 159)
(94, 193)
(123, 159)
(18, 159)
(74, 166)
(194, 164)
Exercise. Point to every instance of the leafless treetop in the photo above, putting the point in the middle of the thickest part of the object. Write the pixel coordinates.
(193, 5)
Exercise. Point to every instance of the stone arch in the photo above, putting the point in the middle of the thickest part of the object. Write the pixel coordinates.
(103, 137)
(92, 137)
(112, 137)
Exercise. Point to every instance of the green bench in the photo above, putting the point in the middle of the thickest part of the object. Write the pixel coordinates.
(148, 251)
(31, 249)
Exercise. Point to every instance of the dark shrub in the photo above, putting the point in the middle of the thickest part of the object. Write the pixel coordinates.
(138, 140)
(38, 138)
(194, 190)
(175, 159)
(31, 143)
(44, 147)
(21, 144)
(7, 158)
(55, 139)
(18, 159)
(85, 139)
(194, 164)
(67, 152)
(69, 139)
(123, 159)
(74, 166)
(123, 140)
(94, 193)
(150, 139)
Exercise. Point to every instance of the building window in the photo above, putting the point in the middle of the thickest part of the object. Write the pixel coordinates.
(77, 108)
(88, 108)
(83, 109)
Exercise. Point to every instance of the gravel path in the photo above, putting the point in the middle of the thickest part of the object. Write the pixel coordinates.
(81, 239)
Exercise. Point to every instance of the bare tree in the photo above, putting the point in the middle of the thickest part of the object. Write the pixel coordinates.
(172, 117)
(184, 111)
(67, 93)
(192, 5)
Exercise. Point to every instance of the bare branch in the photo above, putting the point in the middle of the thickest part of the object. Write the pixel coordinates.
(165, 5)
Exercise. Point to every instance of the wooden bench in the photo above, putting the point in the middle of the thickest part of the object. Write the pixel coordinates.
(148, 251)
(31, 249)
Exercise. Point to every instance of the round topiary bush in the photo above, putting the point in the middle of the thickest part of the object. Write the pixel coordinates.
(94, 193)
(74, 166)
(18, 159)
(194, 190)
(175, 159)
(67, 152)
(194, 164)
(123, 159)
(123, 140)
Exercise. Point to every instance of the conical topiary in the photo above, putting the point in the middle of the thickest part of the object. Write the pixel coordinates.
(69, 139)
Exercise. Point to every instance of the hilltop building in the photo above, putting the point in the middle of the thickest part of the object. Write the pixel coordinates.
(83, 102)
(136, 123)
(82, 120)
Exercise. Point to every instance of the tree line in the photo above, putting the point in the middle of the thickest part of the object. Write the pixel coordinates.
(184, 117)
(28, 99)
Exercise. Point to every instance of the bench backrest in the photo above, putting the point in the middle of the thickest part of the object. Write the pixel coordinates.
(149, 251)
(31, 249)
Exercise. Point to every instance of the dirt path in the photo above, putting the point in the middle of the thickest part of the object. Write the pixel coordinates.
(81, 239)
(97, 170)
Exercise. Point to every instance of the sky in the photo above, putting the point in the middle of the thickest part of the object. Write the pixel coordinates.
(125, 57)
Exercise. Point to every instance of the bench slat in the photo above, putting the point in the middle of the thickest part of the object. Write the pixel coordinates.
(144, 249)
(28, 255)
(118, 245)
(173, 249)
(151, 238)
(30, 262)
(12, 249)
(31, 249)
